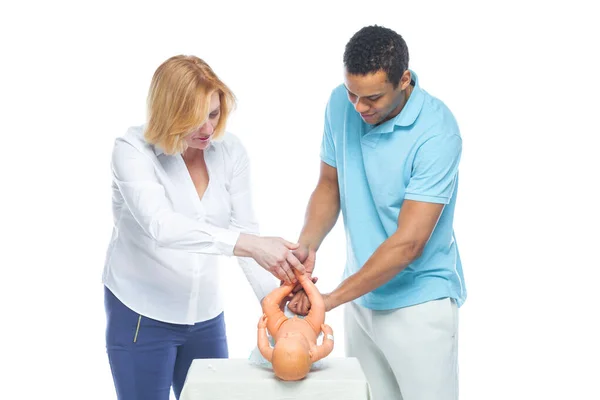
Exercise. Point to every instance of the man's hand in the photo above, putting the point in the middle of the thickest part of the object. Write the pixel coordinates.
(298, 300)
(307, 257)
(299, 304)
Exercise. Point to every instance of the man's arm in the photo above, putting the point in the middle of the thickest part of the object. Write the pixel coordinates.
(321, 215)
(432, 182)
(415, 224)
(323, 209)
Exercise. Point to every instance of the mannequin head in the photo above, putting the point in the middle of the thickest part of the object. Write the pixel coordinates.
(291, 357)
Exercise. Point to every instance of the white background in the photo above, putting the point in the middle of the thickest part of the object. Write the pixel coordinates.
(522, 81)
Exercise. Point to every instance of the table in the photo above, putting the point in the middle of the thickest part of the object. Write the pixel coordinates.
(237, 379)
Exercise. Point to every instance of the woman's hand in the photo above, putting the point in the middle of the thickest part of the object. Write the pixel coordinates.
(272, 253)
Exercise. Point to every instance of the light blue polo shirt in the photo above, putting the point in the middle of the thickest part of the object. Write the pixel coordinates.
(413, 156)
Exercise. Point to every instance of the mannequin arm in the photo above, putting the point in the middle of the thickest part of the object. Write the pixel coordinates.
(270, 306)
(316, 315)
(326, 347)
(263, 341)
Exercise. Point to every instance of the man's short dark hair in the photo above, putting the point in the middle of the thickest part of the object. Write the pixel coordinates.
(375, 48)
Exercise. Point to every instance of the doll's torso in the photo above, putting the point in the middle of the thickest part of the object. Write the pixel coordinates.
(294, 326)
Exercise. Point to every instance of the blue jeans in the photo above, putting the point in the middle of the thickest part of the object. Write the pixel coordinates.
(147, 356)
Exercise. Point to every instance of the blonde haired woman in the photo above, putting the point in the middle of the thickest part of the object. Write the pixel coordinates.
(181, 199)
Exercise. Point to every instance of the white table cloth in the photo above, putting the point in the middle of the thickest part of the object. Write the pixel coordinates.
(239, 379)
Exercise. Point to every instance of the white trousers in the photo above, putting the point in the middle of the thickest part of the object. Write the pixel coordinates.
(408, 353)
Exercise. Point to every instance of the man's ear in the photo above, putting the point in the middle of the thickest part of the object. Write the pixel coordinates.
(405, 80)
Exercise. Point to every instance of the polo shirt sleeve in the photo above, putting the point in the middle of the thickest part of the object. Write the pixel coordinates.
(435, 169)
(327, 142)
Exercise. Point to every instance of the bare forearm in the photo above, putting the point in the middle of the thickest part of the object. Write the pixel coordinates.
(386, 262)
(245, 246)
(416, 222)
(321, 215)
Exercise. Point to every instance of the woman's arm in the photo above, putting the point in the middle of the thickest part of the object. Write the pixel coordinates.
(144, 195)
(133, 173)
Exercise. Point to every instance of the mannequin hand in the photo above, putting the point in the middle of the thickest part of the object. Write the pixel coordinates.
(299, 303)
(262, 322)
(326, 330)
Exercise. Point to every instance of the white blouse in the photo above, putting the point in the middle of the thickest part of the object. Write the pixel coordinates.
(163, 258)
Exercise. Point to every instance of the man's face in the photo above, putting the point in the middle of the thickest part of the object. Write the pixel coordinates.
(374, 97)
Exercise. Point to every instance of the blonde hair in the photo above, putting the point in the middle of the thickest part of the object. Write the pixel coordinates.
(179, 102)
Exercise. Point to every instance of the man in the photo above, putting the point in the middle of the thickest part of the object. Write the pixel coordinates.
(390, 154)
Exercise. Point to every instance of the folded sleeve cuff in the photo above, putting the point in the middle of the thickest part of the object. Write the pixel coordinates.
(225, 241)
(328, 160)
(427, 199)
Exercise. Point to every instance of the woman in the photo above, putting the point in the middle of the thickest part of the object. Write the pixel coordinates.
(181, 199)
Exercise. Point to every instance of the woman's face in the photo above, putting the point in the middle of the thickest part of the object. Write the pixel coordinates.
(200, 137)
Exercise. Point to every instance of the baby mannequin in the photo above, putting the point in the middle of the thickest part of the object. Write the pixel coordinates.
(295, 338)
